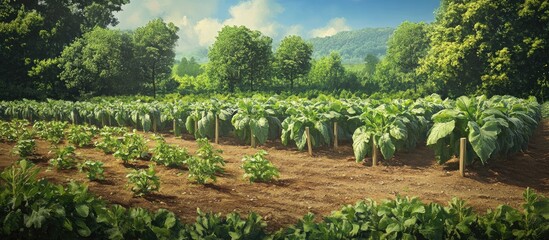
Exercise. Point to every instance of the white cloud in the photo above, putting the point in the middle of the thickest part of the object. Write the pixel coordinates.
(206, 30)
(138, 12)
(293, 30)
(334, 26)
(196, 20)
(256, 15)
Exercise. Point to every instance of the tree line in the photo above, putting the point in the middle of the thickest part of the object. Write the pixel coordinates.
(55, 49)
(63, 49)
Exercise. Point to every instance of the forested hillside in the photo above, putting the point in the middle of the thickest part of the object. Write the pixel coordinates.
(353, 45)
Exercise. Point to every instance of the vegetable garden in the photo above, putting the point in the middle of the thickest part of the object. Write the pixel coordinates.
(74, 133)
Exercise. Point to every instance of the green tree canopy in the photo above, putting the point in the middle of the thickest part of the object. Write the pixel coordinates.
(154, 46)
(328, 72)
(493, 47)
(99, 63)
(238, 57)
(408, 44)
(292, 59)
(188, 67)
(35, 32)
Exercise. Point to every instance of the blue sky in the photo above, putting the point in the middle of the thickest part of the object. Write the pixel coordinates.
(199, 21)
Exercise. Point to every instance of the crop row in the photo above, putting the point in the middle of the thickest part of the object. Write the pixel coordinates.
(37, 209)
(496, 125)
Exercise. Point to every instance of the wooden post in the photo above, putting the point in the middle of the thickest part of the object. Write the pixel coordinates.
(154, 124)
(216, 129)
(175, 127)
(335, 135)
(195, 128)
(374, 155)
(309, 146)
(462, 153)
(252, 138)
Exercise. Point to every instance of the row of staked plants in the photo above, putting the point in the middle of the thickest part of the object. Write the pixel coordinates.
(494, 126)
(32, 208)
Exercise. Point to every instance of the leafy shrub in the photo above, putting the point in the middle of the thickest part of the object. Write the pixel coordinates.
(24, 147)
(81, 135)
(53, 131)
(93, 169)
(14, 130)
(65, 158)
(32, 209)
(213, 226)
(110, 139)
(133, 147)
(258, 169)
(169, 155)
(144, 181)
(207, 152)
(207, 163)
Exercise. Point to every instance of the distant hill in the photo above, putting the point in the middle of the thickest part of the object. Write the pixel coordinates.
(353, 45)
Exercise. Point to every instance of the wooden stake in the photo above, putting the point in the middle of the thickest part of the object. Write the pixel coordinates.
(462, 153)
(309, 146)
(216, 129)
(335, 135)
(174, 127)
(374, 155)
(195, 128)
(252, 138)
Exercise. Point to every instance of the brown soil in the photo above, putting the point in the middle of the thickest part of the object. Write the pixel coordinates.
(319, 184)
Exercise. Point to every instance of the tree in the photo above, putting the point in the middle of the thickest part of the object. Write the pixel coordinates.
(292, 59)
(35, 32)
(188, 67)
(396, 72)
(239, 56)
(154, 50)
(492, 47)
(99, 63)
(370, 63)
(328, 72)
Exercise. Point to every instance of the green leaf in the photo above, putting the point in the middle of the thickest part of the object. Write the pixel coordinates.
(386, 146)
(440, 130)
(82, 210)
(83, 229)
(323, 129)
(398, 130)
(261, 130)
(483, 140)
(361, 143)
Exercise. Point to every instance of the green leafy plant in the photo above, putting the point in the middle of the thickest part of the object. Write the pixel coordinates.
(206, 164)
(24, 147)
(81, 135)
(259, 169)
(53, 131)
(65, 158)
(133, 147)
(500, 125)
(110, 139)
(144, 181)
(13, 130)
(213, 226)
(257, 119)
(93, 169)
(389, 127)
(169, 155)
(201, 119)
